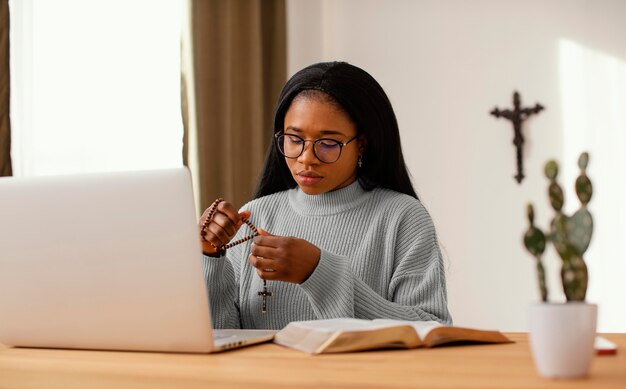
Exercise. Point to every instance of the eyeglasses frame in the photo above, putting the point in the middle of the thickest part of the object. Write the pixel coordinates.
(341, 145)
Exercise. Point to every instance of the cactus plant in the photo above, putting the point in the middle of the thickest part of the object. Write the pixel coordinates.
(570, 235)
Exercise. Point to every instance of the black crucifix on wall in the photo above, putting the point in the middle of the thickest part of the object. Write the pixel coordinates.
(517, 116)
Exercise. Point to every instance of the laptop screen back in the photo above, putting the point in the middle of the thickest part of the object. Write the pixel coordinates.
(102, 261)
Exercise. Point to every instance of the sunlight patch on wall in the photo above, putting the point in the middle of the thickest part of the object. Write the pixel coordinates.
(593, 95)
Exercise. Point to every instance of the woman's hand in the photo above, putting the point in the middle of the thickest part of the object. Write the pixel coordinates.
(221, 228)
(283, 258)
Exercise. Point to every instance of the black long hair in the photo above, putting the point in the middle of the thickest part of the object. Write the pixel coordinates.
(359, 95)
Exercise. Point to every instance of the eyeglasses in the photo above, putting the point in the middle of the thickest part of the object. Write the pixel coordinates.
(325, 149)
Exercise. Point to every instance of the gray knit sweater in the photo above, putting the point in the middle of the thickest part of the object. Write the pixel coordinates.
(380, 258)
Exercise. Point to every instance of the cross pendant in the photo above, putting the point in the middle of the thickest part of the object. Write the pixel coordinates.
(265, 294)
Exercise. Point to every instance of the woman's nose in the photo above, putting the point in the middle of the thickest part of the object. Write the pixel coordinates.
(308, 155)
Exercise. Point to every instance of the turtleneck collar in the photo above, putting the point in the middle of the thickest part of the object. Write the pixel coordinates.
(328, 203)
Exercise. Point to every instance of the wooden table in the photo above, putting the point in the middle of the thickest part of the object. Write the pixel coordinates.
(269, 365)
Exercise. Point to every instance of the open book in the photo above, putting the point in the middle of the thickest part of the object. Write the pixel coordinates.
(342, 335)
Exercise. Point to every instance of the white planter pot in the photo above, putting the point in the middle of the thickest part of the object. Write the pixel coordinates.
(561, 338)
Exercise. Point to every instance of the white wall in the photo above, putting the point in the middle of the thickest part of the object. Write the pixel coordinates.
(445, 64)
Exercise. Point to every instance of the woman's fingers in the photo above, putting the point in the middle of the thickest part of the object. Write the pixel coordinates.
(229, 211)
(268, 274)
(229, 226)
(245, 215)
(264, 263)
(217, 235)
(283, 258)
(262, 232)
(275, 252)
(266, 268)
(223, 226)
(267, 240)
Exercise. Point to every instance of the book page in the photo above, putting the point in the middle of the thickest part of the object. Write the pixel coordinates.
(347, 324)
(345, 334)
(375, 338)
(421, 327)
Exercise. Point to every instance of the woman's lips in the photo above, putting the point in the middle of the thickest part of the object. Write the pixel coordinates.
(308, 178)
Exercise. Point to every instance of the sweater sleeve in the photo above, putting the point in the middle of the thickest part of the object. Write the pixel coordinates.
(223, 291)
(416, 290)
(223, 285)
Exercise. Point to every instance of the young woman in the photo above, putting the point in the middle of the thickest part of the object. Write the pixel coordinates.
(342, 232)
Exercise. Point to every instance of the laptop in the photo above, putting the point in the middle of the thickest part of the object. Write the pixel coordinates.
(107, 261)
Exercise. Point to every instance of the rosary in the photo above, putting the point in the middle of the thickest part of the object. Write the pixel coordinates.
(212, 209)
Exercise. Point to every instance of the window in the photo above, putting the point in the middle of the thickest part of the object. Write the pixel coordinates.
(95, 85)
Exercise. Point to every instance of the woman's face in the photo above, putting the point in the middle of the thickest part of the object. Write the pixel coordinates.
(312, 119)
